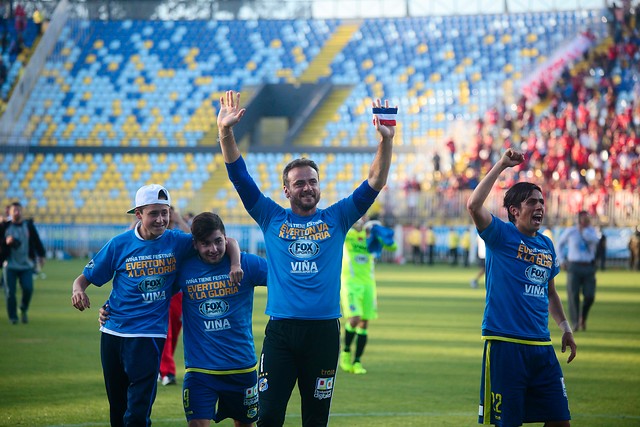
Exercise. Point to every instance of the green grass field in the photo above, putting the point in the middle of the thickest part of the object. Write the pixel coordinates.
(423, 356)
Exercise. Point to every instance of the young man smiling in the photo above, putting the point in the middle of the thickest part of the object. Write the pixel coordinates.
(221, 379)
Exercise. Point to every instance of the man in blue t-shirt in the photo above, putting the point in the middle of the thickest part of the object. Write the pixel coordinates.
(304, 255)
(522, 381)
(221, 380)
(143, 263)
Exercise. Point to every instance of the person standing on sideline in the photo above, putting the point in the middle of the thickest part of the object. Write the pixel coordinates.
(414, 238)
(143, 264)
(465, 246)
(21, 254)
(304, 256)
(577, 247)
(362, 246)
(522, 381)
(430, 237)
(454, 239)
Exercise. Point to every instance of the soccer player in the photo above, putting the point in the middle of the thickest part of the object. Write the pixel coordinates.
(143, 264)
(304, 255)
(522, 381)
(362, 246)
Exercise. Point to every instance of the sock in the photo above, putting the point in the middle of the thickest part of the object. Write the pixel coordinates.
(349, 335)
(361, 342)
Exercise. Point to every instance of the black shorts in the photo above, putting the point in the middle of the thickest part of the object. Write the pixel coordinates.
(305, 351)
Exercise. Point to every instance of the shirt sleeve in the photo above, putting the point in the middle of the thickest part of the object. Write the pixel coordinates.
(243, 182)
(256, 268)
(364, 196)
(100, 269)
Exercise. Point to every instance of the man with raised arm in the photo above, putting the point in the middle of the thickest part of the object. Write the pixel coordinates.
(522, 381)
(304, 256)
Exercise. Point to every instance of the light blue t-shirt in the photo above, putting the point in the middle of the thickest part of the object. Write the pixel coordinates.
(518, 270)
(217, 315)
(305, 258)
(143, 273)
(304, 253)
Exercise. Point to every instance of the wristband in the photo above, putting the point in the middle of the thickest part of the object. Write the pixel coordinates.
(387, 116)
(565, 327)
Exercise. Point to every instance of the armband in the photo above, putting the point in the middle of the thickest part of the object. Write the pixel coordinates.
(387, 116)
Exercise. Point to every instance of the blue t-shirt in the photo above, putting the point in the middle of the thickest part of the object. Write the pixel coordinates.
(304, 253)
(217, 315)
(518, 270)
(143, 273)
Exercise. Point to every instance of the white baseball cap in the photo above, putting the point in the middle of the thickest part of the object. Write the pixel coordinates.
(152, 194)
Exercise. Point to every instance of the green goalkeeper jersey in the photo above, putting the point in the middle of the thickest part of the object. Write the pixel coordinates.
(357, 261)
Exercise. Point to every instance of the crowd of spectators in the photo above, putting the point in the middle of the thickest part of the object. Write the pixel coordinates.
(581, 133)
(14, 19)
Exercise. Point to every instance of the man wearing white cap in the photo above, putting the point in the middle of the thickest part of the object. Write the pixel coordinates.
(143, 264)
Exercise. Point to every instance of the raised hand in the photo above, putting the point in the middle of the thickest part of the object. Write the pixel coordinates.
(512, 158)
(230, 112)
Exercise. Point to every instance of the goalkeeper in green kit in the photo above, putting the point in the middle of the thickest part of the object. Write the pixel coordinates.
(363, 245)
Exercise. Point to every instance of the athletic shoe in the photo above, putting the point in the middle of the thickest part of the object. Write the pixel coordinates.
(345, 361)
(474, 284)
(169, 379)
(358, 369)
(24, 317)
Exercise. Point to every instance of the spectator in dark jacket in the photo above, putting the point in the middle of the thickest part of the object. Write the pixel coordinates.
(21, 254)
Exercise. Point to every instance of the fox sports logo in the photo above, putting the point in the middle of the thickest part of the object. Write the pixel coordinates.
(214, 308)
(151, 284)
(537, 274)
(304, 248)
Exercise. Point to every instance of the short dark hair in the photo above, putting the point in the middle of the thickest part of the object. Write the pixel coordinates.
(517, 194)
(298, 163)
(16, 203)
(204, 224)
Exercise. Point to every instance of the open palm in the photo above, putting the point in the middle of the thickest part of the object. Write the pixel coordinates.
(230, 112)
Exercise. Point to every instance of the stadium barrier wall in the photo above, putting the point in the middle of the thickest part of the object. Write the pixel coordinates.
(64, 241)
